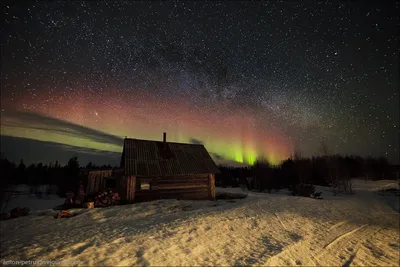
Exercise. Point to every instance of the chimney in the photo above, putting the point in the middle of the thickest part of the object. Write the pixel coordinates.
(165, 141)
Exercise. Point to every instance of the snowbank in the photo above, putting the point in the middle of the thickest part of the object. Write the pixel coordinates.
(261, 229)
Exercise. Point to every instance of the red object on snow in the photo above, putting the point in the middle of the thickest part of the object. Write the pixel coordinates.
(64, 214)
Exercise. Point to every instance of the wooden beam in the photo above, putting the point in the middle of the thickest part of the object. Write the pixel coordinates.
(130, 188)
(181, 186)
(181, 190)
(133, 188)
(212, 186)
(184, 181)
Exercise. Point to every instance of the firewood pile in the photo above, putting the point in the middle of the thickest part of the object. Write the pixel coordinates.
(102, 199)
(106, 199)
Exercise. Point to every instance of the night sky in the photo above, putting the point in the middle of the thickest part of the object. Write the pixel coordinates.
(245, 79)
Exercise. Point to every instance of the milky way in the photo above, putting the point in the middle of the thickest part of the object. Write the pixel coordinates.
(245, 79)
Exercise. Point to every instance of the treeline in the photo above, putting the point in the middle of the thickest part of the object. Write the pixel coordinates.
(336, 171)
(64, 177)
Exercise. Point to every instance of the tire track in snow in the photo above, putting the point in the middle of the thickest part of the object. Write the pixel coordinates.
(276, 215)
(337, 225)
(310, 253)
(337, 239)
(344, 245)
(292, 255)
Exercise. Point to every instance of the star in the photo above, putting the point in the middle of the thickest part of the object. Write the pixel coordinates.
(247, 79)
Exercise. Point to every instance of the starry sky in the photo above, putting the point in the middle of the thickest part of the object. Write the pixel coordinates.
(246, 79)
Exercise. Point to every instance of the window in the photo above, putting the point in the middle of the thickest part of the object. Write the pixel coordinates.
(111, 183)
(143, 185)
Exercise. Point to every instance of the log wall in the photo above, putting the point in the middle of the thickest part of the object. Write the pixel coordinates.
(199, 186)
(175, 187)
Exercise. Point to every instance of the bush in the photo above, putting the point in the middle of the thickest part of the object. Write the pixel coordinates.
(304, 190)
(107, 198)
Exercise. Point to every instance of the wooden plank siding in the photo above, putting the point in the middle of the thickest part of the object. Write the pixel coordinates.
(94, 184)
(121, 187)
(96, 181)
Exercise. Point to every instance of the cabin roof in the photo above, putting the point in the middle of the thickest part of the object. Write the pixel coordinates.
(151, 158)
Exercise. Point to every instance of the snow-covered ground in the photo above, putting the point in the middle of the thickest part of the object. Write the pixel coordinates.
(34, 203)
(262, 229)
(26, 199)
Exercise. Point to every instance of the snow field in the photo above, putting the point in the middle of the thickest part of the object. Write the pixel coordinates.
(262, 229)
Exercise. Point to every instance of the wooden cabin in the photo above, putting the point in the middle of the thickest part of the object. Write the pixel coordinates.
(152, 170)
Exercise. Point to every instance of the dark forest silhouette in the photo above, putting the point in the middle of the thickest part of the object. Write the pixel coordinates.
(329, 170)
(66, 177)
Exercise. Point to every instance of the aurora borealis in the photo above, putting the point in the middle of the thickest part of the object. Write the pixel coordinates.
(246, 79)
